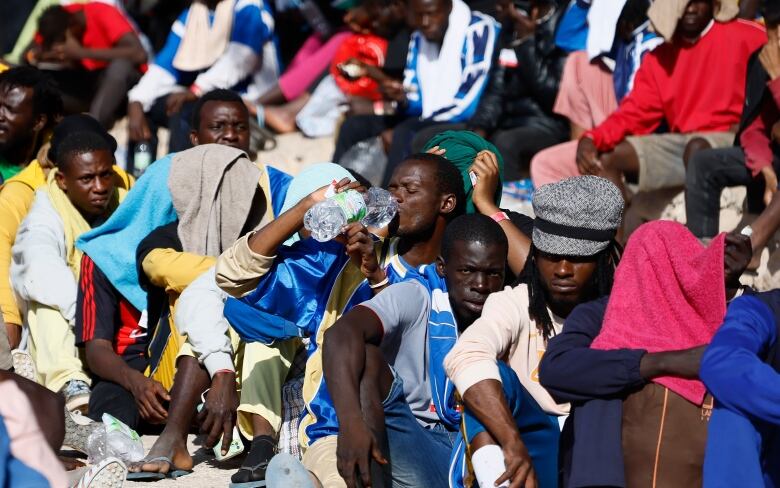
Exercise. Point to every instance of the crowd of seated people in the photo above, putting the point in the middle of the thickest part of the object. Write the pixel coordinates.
(469, 341)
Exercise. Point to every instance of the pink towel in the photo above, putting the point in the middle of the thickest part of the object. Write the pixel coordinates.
(668, 295)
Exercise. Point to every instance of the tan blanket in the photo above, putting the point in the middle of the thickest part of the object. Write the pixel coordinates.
(665, 14)
(212, 187)
(202, 44)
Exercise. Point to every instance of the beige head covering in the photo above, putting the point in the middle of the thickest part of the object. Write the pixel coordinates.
(665, 14)
(212, 187)
(202, 44)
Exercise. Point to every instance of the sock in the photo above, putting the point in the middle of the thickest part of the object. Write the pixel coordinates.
(263, 447)
(488, 463)
(262, 451)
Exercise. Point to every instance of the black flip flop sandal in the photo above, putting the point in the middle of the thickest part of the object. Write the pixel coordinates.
(172, 473)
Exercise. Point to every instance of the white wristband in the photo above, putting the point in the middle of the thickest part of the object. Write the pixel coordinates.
(380, 284)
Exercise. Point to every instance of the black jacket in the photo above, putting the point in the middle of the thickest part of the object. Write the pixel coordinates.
(524, 95)
(594, 381)
(163, 237)
(756, 92)
(756, 95)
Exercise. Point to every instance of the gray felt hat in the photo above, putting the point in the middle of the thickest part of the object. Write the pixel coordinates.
(577, 216)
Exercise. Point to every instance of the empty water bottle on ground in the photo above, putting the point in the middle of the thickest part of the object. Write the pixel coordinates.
(142, 158)
(114, 440)
(375, 208)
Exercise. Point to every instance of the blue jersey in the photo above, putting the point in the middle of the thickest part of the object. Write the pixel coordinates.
(308, 288)
(249, 65)
(572, 33)
(629, 57)
(253, 26)
(475, 59)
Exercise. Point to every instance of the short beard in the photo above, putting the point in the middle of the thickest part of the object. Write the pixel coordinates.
(419, 235)
(11, 147)
(590, 292)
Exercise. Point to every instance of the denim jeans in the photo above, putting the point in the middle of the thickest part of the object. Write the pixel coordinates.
(539, 431)
(709, 172)
(419, 456)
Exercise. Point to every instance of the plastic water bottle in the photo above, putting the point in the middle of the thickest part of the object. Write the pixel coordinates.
(114, 439)
(375, 208)
(142, 158)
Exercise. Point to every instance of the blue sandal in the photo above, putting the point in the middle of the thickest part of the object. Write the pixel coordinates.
(173, 473)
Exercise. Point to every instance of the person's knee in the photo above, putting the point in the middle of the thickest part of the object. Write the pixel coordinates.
(610, 162)
(119, 70)
(694, 146)
(405, 129)
(542, 168)
(186, 361)
(350, 124)
(698, 174)
(49, 410)
(352, 131)
(619, 158)
(111, 398)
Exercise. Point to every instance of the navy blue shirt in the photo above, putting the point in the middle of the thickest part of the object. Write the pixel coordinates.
(572, 372)
(595, 382)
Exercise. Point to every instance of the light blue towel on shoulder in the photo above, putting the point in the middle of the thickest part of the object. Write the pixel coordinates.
(113, 245)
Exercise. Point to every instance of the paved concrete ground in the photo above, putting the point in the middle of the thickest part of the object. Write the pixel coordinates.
(207, 473)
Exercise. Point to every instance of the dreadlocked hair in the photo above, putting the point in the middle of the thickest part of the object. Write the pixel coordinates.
(601, 285)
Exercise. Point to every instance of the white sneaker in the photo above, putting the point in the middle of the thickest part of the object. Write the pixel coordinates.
(24, 365)
(108, 473)
(76, 394)
(77, 430)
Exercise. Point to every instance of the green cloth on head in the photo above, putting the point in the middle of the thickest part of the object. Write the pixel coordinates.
(307, 182)
(461, 147)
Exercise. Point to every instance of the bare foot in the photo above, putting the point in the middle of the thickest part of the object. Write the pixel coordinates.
(171, 447)
(280, 119)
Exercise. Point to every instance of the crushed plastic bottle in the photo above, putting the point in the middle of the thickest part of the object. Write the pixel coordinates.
(375, 208)
(114, 439)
